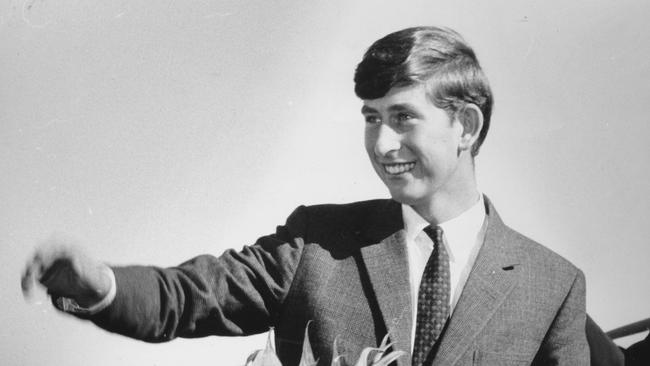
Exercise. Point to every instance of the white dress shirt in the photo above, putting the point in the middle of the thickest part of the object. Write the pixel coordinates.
(463, 237)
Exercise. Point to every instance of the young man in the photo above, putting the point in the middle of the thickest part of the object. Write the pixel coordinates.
(434, 267)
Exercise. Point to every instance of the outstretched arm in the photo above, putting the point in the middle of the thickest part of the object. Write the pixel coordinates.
(238, 293)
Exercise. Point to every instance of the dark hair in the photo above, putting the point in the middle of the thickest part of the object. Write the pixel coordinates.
(440, 58)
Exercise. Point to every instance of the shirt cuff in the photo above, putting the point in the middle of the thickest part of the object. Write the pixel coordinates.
(71, 306)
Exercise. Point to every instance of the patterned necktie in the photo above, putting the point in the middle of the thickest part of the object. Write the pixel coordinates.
(433, 298)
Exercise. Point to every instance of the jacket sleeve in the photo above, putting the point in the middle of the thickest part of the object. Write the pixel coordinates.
(602, 349)
(238, 293)
(565, 342)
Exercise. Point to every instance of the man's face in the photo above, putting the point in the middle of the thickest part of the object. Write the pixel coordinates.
(413, 145)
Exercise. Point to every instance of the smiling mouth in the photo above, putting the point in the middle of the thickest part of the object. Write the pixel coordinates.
(398, 168)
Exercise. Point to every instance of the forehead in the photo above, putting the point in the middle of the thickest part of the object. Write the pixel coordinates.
(412, 96)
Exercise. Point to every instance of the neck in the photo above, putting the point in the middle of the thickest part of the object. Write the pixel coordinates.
(456, 197)
(443, 209)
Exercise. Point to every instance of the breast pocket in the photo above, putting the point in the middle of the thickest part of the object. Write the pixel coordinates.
(482, 358)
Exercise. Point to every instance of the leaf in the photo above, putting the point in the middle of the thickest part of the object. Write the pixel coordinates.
(377, 356)
(363, 357)
(370, 356)
(266, 357)
(382, 348)
(388, 358)
(251, 358)
(337, 360)
(384, 343)
(307, 357)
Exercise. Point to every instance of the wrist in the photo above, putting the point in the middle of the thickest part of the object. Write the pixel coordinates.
(98, 289)
(89, 308)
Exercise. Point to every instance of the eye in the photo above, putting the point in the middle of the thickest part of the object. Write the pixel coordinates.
(403, 116)
(372, 119)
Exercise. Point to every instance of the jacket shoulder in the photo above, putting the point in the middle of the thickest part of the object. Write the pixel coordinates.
(349, 209)
(343, 214)
(542, 259)
(362, 220)
(537, 256)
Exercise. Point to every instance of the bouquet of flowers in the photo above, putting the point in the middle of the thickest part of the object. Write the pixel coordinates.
(370, 356)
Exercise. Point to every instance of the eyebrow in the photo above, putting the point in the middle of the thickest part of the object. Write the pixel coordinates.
(367, 110)
(393, 108)
(401, 107)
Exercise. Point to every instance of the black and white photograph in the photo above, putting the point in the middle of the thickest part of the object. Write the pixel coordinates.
(325, 183)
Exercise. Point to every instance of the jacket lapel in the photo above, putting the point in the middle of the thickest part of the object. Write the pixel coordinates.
(386, 260)
(490, 281)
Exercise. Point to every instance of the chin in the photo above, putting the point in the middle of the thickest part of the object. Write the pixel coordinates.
(404, 197)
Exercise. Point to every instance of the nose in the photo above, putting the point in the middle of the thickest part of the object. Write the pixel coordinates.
(387, 141)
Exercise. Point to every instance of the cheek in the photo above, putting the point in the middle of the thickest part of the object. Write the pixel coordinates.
(369, 141)
(435, 161)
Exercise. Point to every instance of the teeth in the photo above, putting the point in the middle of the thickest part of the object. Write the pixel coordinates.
(398, 168)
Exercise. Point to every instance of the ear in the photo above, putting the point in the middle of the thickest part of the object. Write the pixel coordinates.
(471, 118)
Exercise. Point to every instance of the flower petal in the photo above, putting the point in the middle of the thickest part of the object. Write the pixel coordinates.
(307, 357)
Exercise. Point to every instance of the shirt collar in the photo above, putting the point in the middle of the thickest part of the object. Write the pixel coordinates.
(460, 232)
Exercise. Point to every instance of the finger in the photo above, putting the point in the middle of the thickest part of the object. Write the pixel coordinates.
(44, 256)
(27, 280)
(49, 252)
(30, 275)
(53, 272)
(59, 281)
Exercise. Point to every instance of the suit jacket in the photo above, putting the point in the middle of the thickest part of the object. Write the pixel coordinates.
(344, 267)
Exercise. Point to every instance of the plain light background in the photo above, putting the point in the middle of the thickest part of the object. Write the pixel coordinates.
(155, 131)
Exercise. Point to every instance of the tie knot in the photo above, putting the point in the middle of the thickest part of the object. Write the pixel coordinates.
(435, 233)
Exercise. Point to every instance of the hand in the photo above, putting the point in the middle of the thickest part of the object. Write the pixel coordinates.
(65, 270)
